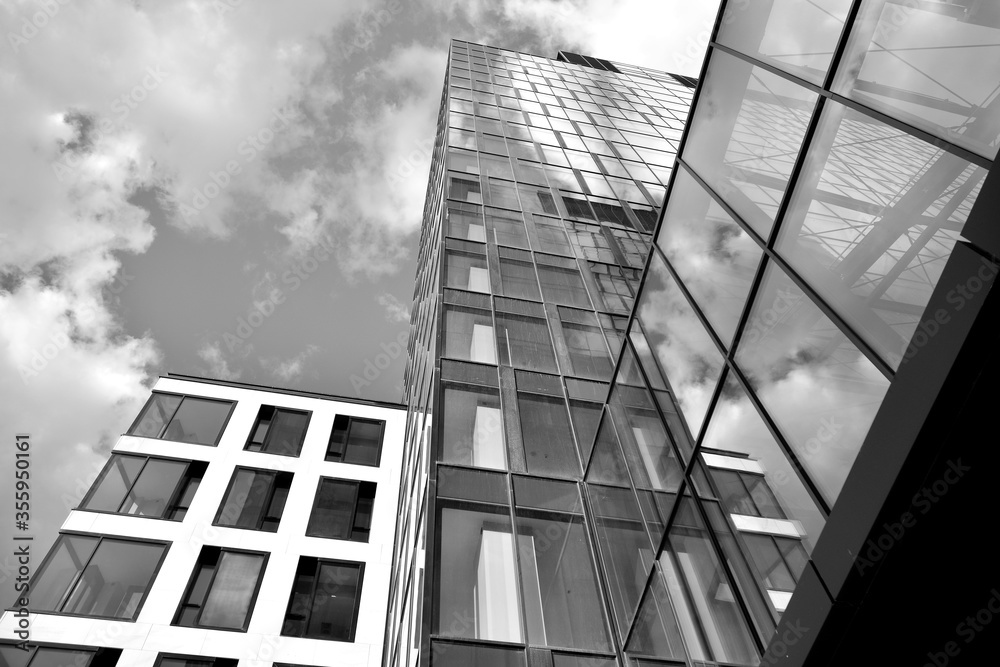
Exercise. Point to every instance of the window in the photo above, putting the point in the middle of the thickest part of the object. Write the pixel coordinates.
(183, 418)
(342, 510)
(588, 352)
(325, 600)
(222, 589)
(169, 660)
(145, 486)
(747, 494)
(546, 434)
(469, 335)
(278, 431)
(472, 427)
(91, 575)
(356, 440)
(254, 499)
(465, 189)
(517, 279)
(52, 656)
(780, 562)
(464, 270)
(562, 284)
(525, 343)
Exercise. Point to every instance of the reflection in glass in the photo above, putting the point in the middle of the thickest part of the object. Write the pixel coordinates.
(746, 132)
(525, 342)
(713, 256)
(546, 434)
(819, 388)
(472, 427)
(933, 68)
(469, 335)
(69, 555)
(656, 631)
(690, 361)
(873, 221)
(115, 579)
(466, 271)
(795, 36)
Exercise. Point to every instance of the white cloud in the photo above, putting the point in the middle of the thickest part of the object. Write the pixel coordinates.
(218, 367)
(290, 369)
(395, 311)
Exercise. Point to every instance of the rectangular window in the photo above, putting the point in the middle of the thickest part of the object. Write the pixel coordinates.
(472, 427)
(164, 660)
(355, 440)
(11, 655)
(254, 500)
(145, 486)
(546, 434)
(525, 343)
(465, 189)
(563, 285)
(91, 575)
(342, 510)
(585, 343)
(183, 418)
(517, 279)
(466, 225)
(222, 590)
(325, 599)
(469, 335)
(278, 431)
(506, 228)
(746, 493)
(466, 271)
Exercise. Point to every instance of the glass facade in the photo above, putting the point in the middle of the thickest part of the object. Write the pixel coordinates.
(685, 458)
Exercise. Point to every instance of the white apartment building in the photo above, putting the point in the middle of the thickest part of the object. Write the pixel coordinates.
(233, 526)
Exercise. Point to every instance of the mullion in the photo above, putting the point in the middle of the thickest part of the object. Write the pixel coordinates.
(182, 485)
(208, 588)
(79, 575)
(166, 422)
(128, 491)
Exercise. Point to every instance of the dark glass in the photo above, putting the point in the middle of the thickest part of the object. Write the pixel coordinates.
(588, 352)
(154, 488)
(222, 590)
(691, 363)
(287, 432)
(714, 257)
(571, 660)
(657, 631)
(518, 280)
(54, 657)
(506, 228)
(586, 417)
(466, 225)
(68, 557)
(546, 436)
(769, 563)
(115, 580)
(446, 654)
(324, 601)
(525, 343)
(563, 285)
(355, 440)
(465, 189)
(472, 427)
(873, 221)
(198, 420)
(255, 499)
(932, 68)
(817, 386)
(342, 510)
(156, 415)
(551, 236)
(469, 335)
(114, 482)
(797, 37)
(466, 271)
(749, 169)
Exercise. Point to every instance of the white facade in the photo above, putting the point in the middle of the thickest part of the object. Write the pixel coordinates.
(151, 633)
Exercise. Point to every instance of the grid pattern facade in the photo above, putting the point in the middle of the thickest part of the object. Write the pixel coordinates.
(232, 526)
(545, 188)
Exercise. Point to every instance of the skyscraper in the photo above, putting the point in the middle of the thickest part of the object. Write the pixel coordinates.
(232, 525)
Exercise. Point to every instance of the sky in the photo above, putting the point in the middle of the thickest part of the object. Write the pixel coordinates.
(231, 189)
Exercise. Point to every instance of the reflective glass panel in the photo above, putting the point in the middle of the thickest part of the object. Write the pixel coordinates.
(745, 136)
(525, 343)
(472, 427)
(154, 488)
(113, 483)
(466, 271)
(873, 221)
(228, 603)
(115, 580)
(469, 335)
(69, 556)
(158, 412)
(819, 388)
(546, 435)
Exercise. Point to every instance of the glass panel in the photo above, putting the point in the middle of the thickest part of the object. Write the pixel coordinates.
(873, 220)
(819, 388)
(518, 280)
(244, 504)
(587, 351)
(690, 361)
(932, 65)
(525, 343)
(563, 285)
(156, 415)
(286, 433)
(567, 660)
(773, 571)
(506, 227)
(586, 417)
(364, 442)
(333, 609)
(115, 579)
(466, 271)
(737, 438)
(465, 225)
(228, 603)
(546, 435)
(465, 189)
(154, 488)
(797, 37)
(728, 145)
(333, 511)
(445, 654)
(469, 335)
(477, 599)
(695, 566)
(69, 556)
(624, 546)
(198, 420)
(12, 656)
(114, 482)
(656, 628)
(472, 427)
(714, 257)
(563, 605)
(53, 657)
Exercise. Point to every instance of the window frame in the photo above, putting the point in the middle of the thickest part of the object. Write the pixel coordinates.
(350, 422)
(267, 505)
(226, 662)
(33, 648)
(208, 589)
(171, 502)
(354, 512)
(166, 425)
(76, 578)
(355, 617)
(270, 431)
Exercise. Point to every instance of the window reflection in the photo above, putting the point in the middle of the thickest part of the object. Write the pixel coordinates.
(746, 132)
(819, 388)
(935, 66)
(873, 221)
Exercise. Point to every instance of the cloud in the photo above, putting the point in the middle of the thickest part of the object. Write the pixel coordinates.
(395, 311)
(289, 369)
(218, 367)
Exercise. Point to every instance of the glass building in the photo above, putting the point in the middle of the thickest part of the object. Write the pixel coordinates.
(703, 449)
